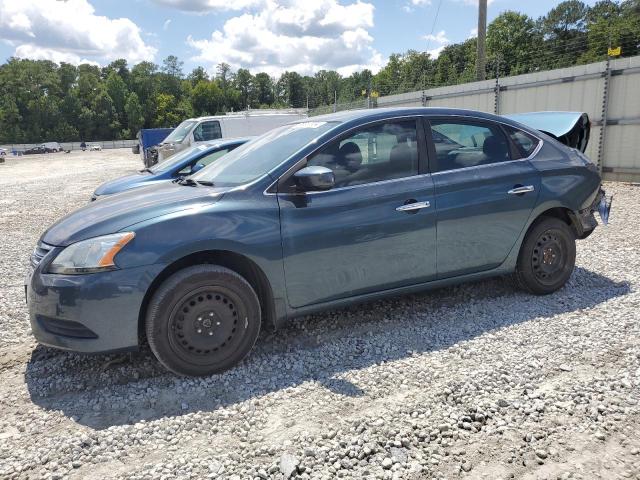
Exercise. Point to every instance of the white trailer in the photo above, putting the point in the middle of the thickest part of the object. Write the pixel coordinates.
(203, 130)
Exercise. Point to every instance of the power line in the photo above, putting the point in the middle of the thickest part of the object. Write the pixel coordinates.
(433, 26)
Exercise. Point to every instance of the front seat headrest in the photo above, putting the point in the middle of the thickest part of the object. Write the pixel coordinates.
(350, 156)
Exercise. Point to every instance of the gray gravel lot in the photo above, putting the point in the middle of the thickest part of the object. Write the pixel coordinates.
(473, 381)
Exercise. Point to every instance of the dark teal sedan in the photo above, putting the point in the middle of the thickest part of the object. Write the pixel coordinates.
(314, 215)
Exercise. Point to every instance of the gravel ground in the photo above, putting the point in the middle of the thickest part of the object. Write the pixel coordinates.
(473, 381)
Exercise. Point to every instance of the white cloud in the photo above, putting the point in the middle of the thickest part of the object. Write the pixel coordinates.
(435, 52)
(409, 6)
(166, 24)
(69, 31)
(439, 37)
(297, 35)
(473, 33)
(204, 6)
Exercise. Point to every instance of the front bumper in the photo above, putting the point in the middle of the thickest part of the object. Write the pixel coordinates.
(93, 313)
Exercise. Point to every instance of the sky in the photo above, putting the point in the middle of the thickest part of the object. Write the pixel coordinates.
(262, 35)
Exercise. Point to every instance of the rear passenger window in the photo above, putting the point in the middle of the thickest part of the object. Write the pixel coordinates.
(467, 144)
(207, 131)
(525, 144)
(381, 152)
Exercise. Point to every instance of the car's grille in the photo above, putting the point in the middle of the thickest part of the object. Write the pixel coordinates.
(39, 253)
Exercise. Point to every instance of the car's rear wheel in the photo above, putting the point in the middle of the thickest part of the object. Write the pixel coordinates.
(547, 256)
(203, 320)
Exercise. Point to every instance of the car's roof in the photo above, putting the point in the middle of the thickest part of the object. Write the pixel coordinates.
(381, 113)
(221, 142)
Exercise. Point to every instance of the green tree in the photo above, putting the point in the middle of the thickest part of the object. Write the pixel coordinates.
(206, 98)
(564, 29)
(198, 74)
(117, 90)
(263, 89)
(512, 41)
(243, 82)
(135, 115)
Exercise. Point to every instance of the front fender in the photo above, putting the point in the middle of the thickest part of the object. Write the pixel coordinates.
(250, 228)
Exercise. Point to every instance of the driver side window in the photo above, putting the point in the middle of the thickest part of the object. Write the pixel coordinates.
(207, 131)
(380, 152)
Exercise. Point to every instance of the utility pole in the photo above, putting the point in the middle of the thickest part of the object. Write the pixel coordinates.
(335, 101)
(482, 35)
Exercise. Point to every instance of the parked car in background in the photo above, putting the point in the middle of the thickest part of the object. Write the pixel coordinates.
(310, 216)
(3, 151)
(180, 165)
(195, 131)
(35, 150)
(52, 147)
(95, 147)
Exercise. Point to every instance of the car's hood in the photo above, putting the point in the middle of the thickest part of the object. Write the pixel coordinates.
(122, 183)
(570, 128)
(115, 212)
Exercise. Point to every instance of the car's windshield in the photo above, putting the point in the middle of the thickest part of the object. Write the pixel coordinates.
(180, 132)
(257, 157)
(177, 159)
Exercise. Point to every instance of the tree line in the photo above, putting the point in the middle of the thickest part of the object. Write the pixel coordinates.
(43, 101)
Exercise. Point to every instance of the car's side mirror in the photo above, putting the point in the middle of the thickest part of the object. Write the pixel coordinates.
(196, 168)
(314, 178)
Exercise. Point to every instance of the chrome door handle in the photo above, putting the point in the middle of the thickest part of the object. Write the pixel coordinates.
(521, 190)
(412, 206)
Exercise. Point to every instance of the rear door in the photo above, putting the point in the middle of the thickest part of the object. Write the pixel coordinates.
(485, 190)
(374, 230)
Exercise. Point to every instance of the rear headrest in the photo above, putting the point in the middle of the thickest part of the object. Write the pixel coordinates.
(402, 157)
(495, 148)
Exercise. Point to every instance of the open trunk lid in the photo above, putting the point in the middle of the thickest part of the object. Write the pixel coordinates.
(570, 128)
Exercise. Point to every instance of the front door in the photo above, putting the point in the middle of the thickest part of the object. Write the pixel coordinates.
(485, 191)
(375, 230)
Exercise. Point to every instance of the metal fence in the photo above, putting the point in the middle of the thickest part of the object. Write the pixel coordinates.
(106, 145)
(607, 91)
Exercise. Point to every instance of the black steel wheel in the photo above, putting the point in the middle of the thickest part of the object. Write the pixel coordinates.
(203, 320)
(547, 256)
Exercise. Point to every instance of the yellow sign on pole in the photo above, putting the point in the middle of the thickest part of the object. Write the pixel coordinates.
(375, 94)
(614, 52)
(364, 93)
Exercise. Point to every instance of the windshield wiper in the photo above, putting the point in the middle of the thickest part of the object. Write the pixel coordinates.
(188, 181)
(193, 183)
(148, 170)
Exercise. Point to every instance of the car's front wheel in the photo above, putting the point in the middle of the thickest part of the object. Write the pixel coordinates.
(203, 320)
(547, 256)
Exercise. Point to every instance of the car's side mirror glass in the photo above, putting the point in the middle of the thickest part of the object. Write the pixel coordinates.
(314, 178)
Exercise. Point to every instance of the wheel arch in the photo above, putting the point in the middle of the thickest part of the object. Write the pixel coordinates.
(564, 214)
(241, 264)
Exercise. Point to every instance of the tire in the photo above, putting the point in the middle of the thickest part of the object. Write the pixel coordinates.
(203, 320)
(547, 257)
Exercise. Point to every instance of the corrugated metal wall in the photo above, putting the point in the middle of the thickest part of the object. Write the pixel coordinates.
(579, 88)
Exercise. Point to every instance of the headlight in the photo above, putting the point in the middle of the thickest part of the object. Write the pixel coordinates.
(89, 256)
